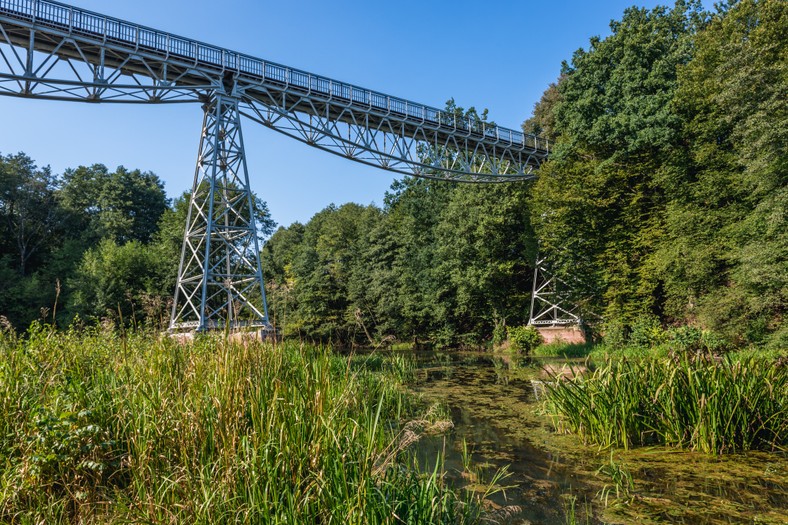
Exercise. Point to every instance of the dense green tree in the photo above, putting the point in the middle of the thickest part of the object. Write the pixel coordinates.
(123, 282)
(725, 256)
(122, 205)
(441, 263)
(31, 227)
(599, 204)
(325, 268)
(277, 257)
(542, 122)
(485, 252)
(28, 212)
(414, 209)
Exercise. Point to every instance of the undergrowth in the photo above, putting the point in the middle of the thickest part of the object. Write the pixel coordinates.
(99, 427)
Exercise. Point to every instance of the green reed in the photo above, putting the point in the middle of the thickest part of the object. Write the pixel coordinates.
(95, 427)
(714, 405)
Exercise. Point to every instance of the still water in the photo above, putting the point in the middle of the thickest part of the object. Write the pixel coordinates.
(499, 423)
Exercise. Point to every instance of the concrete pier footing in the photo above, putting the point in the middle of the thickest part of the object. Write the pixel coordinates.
(564, 334)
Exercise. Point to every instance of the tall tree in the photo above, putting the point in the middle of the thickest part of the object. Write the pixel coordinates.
(28, 211)
(122, 205)
(726, 253)
(599, 205)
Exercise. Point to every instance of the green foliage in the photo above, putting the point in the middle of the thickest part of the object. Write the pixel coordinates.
(524, 338)
(92, 243)
(689, 339)
(727, 246)
(615, 334)
(122, 205)
(119, 281)
(499, 334)
(646, 332)
(28, 211)
(440, 263)
(665, 194)
(561, 349)
(685, 401)
(69, 453)
(597, 206)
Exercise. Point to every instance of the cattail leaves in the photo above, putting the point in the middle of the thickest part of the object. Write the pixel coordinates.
(714, 406)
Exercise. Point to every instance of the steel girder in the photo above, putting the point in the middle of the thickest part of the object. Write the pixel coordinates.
(220, 281)
(54, 51)
(386, 142)
(56, 65)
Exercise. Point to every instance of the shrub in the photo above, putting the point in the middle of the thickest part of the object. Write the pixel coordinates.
(615, 334)
(499, 333)
(647, 332)
(689, 339)
(524, 338)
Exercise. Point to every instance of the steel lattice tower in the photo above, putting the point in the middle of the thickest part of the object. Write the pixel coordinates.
(551, 303)
(219, 276)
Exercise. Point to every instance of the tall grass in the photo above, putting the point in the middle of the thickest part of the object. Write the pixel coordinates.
(562, 349)
(711, 405)
(95, 427)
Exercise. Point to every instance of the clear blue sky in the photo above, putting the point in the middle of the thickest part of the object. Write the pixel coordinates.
(495, 54)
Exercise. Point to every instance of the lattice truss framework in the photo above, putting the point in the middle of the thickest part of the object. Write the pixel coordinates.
(219, 278)
(386, 142)
(551, 303)
(55, 51)
(55, 65)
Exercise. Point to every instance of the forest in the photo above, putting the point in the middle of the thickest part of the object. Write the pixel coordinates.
(663, 203)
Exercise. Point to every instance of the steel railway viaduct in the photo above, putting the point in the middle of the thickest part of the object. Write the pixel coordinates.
(50, 50)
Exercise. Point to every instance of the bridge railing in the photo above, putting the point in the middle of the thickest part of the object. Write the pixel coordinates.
(78, 21)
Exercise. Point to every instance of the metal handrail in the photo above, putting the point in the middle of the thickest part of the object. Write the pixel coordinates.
(77, 21)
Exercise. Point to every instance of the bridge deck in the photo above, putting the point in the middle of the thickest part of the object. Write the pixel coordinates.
(45, 24)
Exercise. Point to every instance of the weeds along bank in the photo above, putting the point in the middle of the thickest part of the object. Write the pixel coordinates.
(733, 403)
(95, 427)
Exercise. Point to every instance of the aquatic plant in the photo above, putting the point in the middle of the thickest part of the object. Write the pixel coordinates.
(714, 405)
(96, 426)
(620, 482)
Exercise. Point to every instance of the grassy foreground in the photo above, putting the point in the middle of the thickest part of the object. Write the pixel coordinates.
(715, 405)
(95, 427)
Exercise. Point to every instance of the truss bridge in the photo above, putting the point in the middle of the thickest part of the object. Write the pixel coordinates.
(50, 50)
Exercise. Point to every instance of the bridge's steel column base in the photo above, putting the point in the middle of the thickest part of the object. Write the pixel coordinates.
(220, 281)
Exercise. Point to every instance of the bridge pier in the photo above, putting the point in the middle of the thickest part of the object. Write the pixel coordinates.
(552, 312)
(220, 280)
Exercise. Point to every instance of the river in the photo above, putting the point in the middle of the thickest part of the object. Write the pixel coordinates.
(553, 478)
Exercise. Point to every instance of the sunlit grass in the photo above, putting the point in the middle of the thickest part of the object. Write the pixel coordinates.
(714, 405)
(95, 427)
